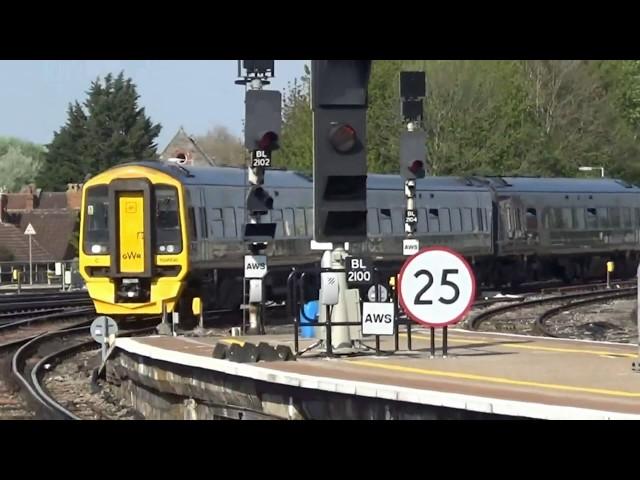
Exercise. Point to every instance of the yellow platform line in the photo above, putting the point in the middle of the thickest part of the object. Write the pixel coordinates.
(501, 380)
(533, 347)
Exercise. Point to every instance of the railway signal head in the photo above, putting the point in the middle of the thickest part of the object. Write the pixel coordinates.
(339, 101)
(263, 119)
(259, 201)
(413, 154)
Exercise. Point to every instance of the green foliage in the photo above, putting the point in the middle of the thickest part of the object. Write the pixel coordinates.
(223, 147)
(19, 163)
(108, 129)
(520, 117)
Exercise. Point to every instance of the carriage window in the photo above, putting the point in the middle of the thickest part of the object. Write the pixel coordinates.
(480, 220)
(288, 222)
(456, 224)
(467, 220)
(578, 218)
(385, 220)
(567, 221)
(445, 220)
(433, 220)
(229, 220)
(300, 224)
(592, 218)
(422, 221)
(614, 217)
(96, 221)
(626, 217)
(276, 217)
(603, 218)
(217, 227)
(167, 220)
(192, 223)
(372, 221)
(310, 222)
(532, 219)
(397, 219)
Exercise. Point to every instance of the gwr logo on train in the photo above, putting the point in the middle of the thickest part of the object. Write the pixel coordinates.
(131, 256)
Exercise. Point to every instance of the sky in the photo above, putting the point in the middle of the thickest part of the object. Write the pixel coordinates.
(195, 94)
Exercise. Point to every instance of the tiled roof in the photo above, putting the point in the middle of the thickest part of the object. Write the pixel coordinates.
(53, 230)
(17, 243)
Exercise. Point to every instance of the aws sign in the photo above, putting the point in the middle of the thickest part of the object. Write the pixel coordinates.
(377, 318)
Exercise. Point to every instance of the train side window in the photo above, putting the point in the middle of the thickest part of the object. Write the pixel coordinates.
(372, 221)
(422, 221)
(531, 220)
(192, 223)
(480, 220)
(229, 221)
(518, 219)
(578, 218)
(467, 219)
(385, 220)
(310, 222)
(626, 217)
(445, 220)
(592, 218)
(567, 221)
(637, 217)
(456, 222)
(288, 222)
(433, 220)
(276, 217)
(216, 224)
(614, 217)
(301, 228)
(397, 220)
(603, 218)
(486, 215)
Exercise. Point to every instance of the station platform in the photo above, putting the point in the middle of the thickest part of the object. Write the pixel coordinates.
(485, 375)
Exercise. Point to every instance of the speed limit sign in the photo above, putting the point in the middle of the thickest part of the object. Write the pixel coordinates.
(436, 287)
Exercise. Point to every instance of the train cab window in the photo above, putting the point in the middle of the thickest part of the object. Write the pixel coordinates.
(467, 220)
(167, 220)
(216, 223)
(385, 220)
(96, 221)
(229, 221)
(456, 223)
(300, 224)
(626, 217)
(433, 220)
(531, 220)
(445, 220)
(372, 221)
(591, 218)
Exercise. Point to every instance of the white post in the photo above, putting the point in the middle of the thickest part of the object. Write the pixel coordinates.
(30, 263)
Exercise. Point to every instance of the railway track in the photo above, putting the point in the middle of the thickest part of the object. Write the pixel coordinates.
(522, 317)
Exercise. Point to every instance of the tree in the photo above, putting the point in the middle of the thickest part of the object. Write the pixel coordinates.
(108, 129)
(19, 163)
(224, 147)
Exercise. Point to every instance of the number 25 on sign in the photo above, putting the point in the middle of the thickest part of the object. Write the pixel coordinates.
(436, 287)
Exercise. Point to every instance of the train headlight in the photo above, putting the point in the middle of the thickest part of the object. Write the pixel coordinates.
(162, 248)
(170, 248)
(97, 248)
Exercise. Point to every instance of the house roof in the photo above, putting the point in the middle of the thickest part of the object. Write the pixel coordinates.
(14, 239)
(183, 140)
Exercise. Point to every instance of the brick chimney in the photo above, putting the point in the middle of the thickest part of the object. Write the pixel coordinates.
(74, 196)
(29, 194)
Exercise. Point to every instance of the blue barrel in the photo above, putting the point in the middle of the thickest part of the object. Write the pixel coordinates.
(308, 316)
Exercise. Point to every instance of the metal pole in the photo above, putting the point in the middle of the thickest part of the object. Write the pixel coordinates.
(433, 341)
(444, 342)
(328, 334)
(30, 263)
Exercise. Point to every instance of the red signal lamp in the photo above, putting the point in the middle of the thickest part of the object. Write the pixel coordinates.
(417, 168)
(269, 141)
(343, 138)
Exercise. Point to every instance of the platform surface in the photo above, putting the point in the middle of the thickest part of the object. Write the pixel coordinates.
(487, 372)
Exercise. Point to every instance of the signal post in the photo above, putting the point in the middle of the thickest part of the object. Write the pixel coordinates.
(339, 103)
(263, 123)
(413, 150)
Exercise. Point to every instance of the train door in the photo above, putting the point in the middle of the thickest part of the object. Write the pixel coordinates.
(131, 232)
